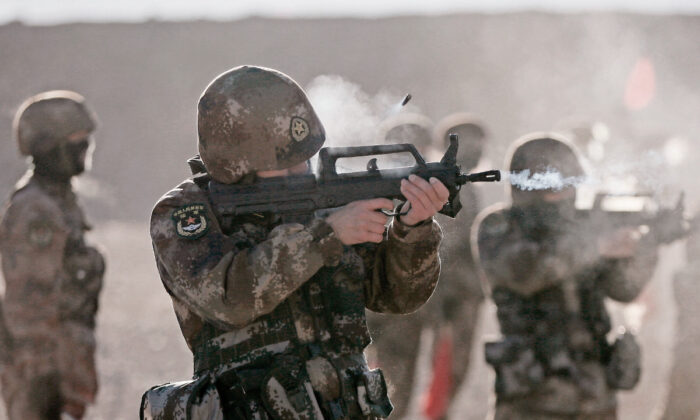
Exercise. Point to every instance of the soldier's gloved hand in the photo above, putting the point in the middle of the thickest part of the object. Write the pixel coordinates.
(619, 244)
(425, 198)
(360, 222)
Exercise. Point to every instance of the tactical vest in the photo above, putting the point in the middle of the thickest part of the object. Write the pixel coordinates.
(279, 347)
(335, 310)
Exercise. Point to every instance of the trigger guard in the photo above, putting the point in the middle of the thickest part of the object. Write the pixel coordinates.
(396, 213)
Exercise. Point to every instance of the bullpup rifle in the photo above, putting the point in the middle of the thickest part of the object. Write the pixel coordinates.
(666, 224)
(294, 197)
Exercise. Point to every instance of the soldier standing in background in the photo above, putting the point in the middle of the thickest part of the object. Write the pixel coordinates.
(408, 127)
(549, 273)
(453, 310)
(682, 402)
(588, 135)
(395, 338)
(451, 314)
(52, 277)
(274, 312)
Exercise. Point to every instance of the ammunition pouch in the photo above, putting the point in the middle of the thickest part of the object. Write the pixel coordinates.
(239, 391)
(517, 369)
(624, 369)
(372, 396)
(186, 400)
(85, 265)
(287, 393)
(288, 379)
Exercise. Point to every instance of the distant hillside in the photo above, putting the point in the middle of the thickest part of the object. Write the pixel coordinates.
(521, 72)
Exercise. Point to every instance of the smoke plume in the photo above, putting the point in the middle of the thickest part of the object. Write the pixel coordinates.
(352, 117)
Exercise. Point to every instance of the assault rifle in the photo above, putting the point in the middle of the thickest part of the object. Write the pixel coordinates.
(666, 224)
(296, 196)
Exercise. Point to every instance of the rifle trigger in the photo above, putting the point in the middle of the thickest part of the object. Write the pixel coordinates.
(395, 213)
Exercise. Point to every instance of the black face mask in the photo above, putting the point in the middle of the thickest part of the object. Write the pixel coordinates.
(63, 161)
(541, 219)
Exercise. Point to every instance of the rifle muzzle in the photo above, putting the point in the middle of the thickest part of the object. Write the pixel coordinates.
(487, 176)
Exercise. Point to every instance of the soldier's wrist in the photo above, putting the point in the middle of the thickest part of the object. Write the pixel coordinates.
(410, 234)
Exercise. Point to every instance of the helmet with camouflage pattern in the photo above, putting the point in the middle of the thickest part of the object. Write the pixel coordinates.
(542, 153)
(407, 127)
(48, 119)
(255, 119)
(471, 137)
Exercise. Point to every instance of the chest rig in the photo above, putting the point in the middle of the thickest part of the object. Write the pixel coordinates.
(314, 339)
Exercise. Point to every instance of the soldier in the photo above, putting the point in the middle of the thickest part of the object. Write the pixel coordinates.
(52, 277)
(588, 135)
(410, 127)
(395, 337)
(549, 272)
(273, 312)
(455, 304)
(682, 402)
(452, 312)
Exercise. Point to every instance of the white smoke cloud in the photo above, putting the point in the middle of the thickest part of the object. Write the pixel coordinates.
(648, 173)
(549, 180)
(352, 117)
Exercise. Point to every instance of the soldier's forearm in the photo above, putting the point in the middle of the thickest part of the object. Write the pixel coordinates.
(262, 277)
(623, 280)
(406, 269)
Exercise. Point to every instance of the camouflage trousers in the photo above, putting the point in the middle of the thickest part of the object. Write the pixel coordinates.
(38, 386)
(514, 411)
(31, 392)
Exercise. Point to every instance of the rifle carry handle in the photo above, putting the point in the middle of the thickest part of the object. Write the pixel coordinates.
(328, 156)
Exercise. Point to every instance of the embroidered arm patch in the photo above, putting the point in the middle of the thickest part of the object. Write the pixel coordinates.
(40, 233)
(191, 221)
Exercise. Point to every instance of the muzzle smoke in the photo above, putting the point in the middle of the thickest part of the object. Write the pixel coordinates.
(549, 180)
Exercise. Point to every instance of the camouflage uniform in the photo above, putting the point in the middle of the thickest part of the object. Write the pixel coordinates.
(549, 286)
(52, 279)
(274, 312)
(452, 311)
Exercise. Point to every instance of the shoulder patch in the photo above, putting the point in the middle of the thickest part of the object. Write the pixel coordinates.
(40, 233)
(191, 221)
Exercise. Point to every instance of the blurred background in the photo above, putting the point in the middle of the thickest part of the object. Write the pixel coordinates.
(520, 65)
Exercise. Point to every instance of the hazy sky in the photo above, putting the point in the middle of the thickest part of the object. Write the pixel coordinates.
(52, 11)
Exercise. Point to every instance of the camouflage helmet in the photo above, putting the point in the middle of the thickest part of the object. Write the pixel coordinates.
(472, 136)
(255, 119)
(543, 152)
(45, 120)
(407, 127)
